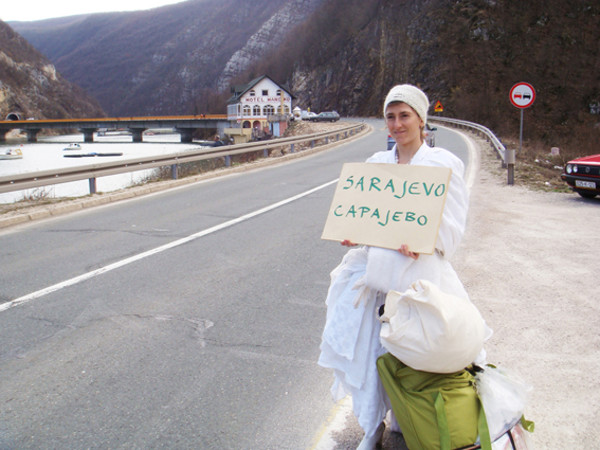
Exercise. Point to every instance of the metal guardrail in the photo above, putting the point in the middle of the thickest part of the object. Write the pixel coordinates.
(29, 180)
(506, 155)
(480, 129)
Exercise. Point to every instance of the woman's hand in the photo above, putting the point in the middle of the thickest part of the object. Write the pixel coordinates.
(403, 250)
(406, 252)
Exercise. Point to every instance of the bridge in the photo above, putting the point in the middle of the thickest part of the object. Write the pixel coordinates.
(184, 125)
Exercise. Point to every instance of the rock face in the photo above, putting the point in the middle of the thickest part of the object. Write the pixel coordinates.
(31, 87)
(381, 47)
(270, 35)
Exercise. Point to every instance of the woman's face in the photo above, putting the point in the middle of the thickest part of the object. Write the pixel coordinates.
(404, 125)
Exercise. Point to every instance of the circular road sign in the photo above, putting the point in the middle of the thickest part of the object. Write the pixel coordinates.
(522, 95)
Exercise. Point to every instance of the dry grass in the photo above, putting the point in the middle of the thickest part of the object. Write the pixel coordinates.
(537, 168)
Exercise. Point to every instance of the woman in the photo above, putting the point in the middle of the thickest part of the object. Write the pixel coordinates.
(350, 343)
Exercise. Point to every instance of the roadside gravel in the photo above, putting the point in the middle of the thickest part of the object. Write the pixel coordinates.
(529, 260)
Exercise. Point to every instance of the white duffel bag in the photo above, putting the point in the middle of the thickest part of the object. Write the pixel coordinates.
(431, 331)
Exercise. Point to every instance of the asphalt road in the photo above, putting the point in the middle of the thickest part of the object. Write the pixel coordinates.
(183, 319)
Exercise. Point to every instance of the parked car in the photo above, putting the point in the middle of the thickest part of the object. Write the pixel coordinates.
(328, 116)
(583, 175)
(390, 142)
(307, 115)
(429, 137)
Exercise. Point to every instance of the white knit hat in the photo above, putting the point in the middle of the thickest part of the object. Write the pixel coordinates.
(412, 96)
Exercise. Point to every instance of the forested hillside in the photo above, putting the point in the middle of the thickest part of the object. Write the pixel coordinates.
(466, 54)
(344, 55)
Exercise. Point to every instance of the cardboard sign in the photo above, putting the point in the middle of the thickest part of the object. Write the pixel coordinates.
(388, 205)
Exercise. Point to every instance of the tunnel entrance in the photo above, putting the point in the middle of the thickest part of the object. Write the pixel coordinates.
(13, 116)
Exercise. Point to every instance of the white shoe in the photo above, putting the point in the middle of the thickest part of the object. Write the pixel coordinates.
(374, 441)
(392, 423)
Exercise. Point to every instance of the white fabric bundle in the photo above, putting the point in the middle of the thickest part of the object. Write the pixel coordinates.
(430, 330)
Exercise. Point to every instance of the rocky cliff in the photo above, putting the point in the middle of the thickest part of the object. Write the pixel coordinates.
(30, 86)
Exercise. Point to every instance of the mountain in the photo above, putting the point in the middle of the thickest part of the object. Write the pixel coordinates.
(167, 60)
(31, 87)
(343, 55)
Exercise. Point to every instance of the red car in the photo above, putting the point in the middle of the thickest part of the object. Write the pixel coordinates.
(583, 175)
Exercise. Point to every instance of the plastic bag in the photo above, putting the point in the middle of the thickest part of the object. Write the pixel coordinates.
(503, 397)
(519, 441)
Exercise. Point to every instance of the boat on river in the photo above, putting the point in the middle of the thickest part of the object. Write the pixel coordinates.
(81, 154)
(12, 153)
(72, 146)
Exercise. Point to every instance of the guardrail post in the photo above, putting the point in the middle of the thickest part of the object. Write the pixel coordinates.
(266, 153)
(227, 161)
(174, 171)
(312, 144)
(92, 183)
(510, 164)
(292, 148)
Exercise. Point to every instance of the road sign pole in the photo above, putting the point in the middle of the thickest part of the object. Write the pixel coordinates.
(522, 95)
(510, 156)
(521, 133)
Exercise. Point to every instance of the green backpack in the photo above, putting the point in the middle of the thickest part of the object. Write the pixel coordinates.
(434, 411)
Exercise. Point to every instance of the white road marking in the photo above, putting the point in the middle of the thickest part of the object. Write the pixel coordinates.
(473, 166)
(473, 162)
(86, 276)
(325, 439)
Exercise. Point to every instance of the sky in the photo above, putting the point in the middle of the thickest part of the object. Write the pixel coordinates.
(26, 10)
